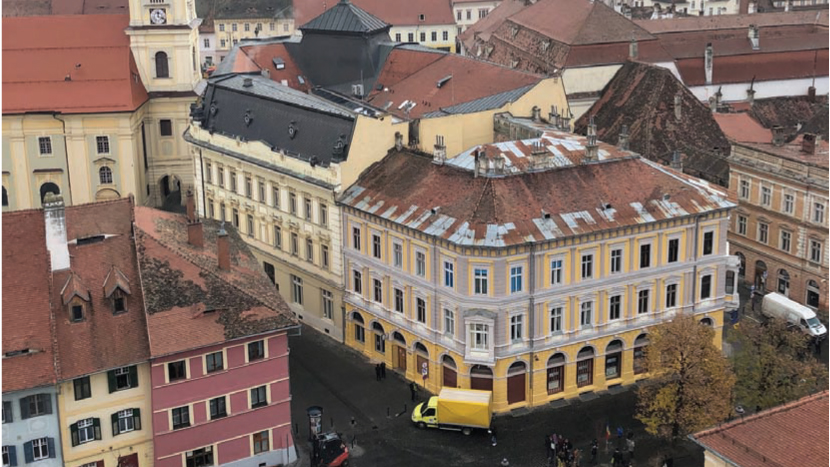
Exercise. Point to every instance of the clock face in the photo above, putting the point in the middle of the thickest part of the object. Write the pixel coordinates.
(158, 16)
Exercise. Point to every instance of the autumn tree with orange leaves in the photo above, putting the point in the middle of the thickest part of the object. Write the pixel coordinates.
(690, 385)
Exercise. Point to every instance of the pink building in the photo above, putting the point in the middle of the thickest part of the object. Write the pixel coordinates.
(218, 346)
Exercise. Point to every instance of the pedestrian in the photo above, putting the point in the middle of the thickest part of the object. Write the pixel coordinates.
(577, 457)
(568, 445)
(617, 458)
(548, 447)
(382, 370)
(504, 462)
(377, 372)
(413, 390)
(594, 450)
(630, 443)
(493, 440)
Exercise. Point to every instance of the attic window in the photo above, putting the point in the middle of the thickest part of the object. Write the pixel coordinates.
(119, 302)
(421, 18)
(76, 312)
(89, 240)
(279, 64)
(15, 353)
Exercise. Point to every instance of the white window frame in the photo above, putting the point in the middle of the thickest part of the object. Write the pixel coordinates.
(784, 239)
(126, 423)
(400, 300)
(516, 279)
(742, 223)
(618, 304)
(744, 188)
(556, 319)
(710, 275)
(480, 280)
(479, 335)
(397, 254)
(42, 445)
(766, 196)
(449, 274)
(421, 309)
(641, 295)
(102, 142)
(44, 142)
(86, 430)
(449, 322)
(420, 264)
(297, 290)
(516, 328)
(589, 263)
(377, 290)
(556, 271)
(327, 298)
(357, 281)
(674, 293)
(788, 203)
(377, 246)
(616, 261)
(763, 232)
(819, 212)
(586, 314)
(815, 251)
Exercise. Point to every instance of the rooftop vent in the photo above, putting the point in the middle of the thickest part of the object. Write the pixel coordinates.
(545, 214)
(441, 82)
(247, 82)
(90, 240)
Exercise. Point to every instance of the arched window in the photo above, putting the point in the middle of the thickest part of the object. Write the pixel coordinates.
(813, 294)
(706, 322)
(784, 282)
(48, 187)
(760, 275)
(640, 344)
(613, 359)
(380, 338)
(419, 347)
(5, 197)
(162, 70)
(742, 270)
(398, 337)
(585, 367)
(359, 332)
(556, 373)
(105, 175)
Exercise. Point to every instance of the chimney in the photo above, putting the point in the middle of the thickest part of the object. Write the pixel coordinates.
(752, 8)
(55, 219)
(553, 116)
(676, 161)
(678, 106)
(788, 5)
(750, 96)
(223, 249)
(191, 206)
(709, 62)
(439, 155)
(713, 104)
(754, 36)
(194, 225)
(478, 153)
(591, 143)
(778, 136)
(247, 82)
(633, 49)
(808, 143)
(811, 94)
(537, 114)
(622, 142)
(566, 120)
(398, 141)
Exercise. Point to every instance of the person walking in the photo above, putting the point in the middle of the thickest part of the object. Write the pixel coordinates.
(377, 372)
(617, 458)
(577, 457)
(547, 447)
(630, 444)
(594, 450)
(382, 370)
(413, 390)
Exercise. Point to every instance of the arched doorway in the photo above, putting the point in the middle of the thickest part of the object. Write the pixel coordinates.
(556, 373)
(422, 361)
(640, 344)
(585, 367)
(760, 275)
(516, 382)
(613, 359)
(380, 338)
(5, 197)
(450, 376)
(784, 282)
(400, 351)
(742, 269)
(359, 330)
(48, 187)
(170, 188)
(813, 294)
(481, 377)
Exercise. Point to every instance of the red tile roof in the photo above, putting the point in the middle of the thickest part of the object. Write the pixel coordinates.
(394, 12)
(64, 7)
(471, 80)
(261, 57)
(483, 28)
(186, 294)
(103, 340)
(402, 63)
(762, 67)
(792, 151)
(742, 127)
(26, 307)
(792, 435)
(449, 202)
(719, 22)
(39, 52)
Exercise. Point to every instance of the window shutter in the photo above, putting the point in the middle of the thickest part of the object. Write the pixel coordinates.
(48, 403)
(13, 456)
(96, 425)
(28, 452)
(73, 428)
(111, 380)
(50, 442)
(24, 408)
(7, 411)
(114, 419)
(133, 376)
(137, 419)
(99, 464)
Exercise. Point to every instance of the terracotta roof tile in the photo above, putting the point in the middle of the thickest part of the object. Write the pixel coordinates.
(762, 67)
(64, 7)
(789, 112)
(182, 282)
(261, 57)
(791, 435)
(742, 127)
(483, 28)
(719, 22)
(26, 305)
(39, 52)
(792, 151)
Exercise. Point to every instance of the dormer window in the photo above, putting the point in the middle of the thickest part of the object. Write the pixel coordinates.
(116, 289)
(119, 304)
(76, 312)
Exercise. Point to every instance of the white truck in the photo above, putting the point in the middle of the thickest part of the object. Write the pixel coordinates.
(776, 305)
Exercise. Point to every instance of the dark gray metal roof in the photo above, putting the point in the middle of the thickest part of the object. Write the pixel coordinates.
(485, 103)
(345, 18)
(304, 126)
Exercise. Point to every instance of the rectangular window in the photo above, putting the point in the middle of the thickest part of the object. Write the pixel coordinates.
(324, 256)
(261, 442)
(256, 351)
(123, 378)
(788, 203)
(469, 14)
(235, 217)
(378, 290)
(397, 37)
(166, 127)
(272, 26)
(309, 250)
(815, 251)
(744, 193)
(642, 301)
(586, 314)
(766, 196)
(181, 417)
(277, 237)
(423, 37)
(785, 240)
(708, 243)
(420, 264)
(324, 215)
(221, 28)
(587, 266)
(176, 370)
(250, 225)
(259, 397)
(729, 287)
(292, 203)
(449, 274)
(458, 15)
(247, 27)
(421, 307)
(40, 448)
(818, 213)
(516, 324)
(86, 430)
(295, 244)
(410, 37)
(480, 281)
(356, 238)
(705, 287)
(199, 457)
(614, 307)
(218, 408)
(479, 336)
(515, 279)
(45, 145)
(307, 209)
(449, 322)
(556, 319)
(82, 387)
(220, 176)
(741, 225)
(376, 246)
(763, 232)
(556, 272)
(234, 27)
(249, 188)
(616, 260)
(8, 415)
(434, 36)
(645, 256)
(445, 36)
(261, 191)
(207, 43)
(328, 304)
(397, 253)
(380, 343)
(296, 290)
(399, 300)
(214, 362)
(222, 42)
(102, 143)
(357, 282)
(233, 181)
(671, 295)
(275, 197)
(9, 456)
(126, 421)
(482, 12)
(208, 173)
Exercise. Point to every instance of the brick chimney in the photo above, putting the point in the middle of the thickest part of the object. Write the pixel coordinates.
(633, 49)
(811, 94)
(591, 147)
(708, 62)
(778, 136)
(55, 218)
(223, 249)
(622, 141)
(808, 143)
(678, 106)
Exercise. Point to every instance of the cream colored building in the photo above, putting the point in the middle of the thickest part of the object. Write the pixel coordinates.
(230, 31)
(468, 12)
(438, 36)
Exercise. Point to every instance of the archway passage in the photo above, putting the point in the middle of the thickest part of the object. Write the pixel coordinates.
(481, 377)
(760, 275)
(516, 382)
(400, 351)
(450, 375)
(556, 373)
(171, 194)
(48, 187)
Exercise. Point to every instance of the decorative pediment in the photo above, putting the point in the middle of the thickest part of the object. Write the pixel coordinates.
(74, 287)
(116, 280)
(103, 160)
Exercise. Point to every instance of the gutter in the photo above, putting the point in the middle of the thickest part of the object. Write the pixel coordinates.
(706, 448)
(65, 154)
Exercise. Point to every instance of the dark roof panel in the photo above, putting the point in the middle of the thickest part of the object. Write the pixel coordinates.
(345, 18)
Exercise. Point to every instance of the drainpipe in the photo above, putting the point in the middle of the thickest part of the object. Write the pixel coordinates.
(65, 155)
(202, 172)
(531, 289)
(694, 268)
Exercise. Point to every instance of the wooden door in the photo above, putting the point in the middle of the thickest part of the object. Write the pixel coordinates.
(422, 365)
(400, 363)
(450, 378)
(516, 388)
(483, 384)
(128, 461)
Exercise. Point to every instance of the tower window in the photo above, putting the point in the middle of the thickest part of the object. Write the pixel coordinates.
(162, 70)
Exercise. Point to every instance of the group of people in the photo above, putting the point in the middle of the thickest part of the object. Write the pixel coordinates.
(618, 459)
(561, 452)
(380, 371)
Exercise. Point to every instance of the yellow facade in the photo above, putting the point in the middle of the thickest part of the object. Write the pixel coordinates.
(102, 405)
(439, 36)
(231, 31)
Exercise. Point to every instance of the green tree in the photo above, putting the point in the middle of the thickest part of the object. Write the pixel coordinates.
(773, 364)
(691, 381)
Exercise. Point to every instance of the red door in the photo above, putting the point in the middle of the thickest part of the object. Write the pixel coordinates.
(400, 364)
(516, 388)
(128, 461)
(484, 384)
(450, 378)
